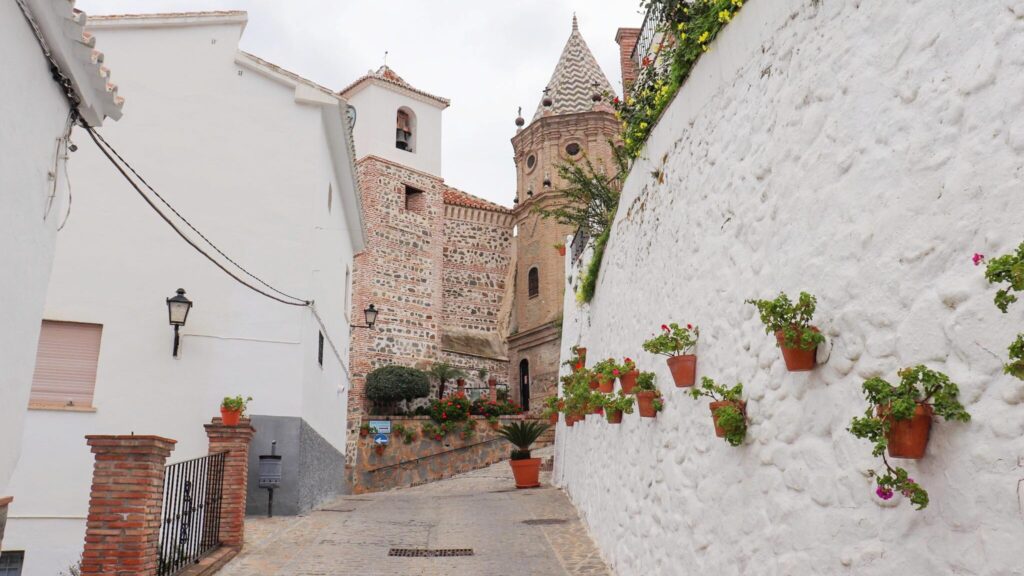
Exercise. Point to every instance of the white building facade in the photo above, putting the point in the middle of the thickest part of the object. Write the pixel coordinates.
(34, 122)
(261, 161)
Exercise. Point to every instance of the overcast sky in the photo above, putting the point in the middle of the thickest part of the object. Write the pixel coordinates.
(487, 57)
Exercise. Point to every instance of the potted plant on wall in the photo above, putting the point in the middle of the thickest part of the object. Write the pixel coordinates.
(898, 421)
(615, 405)
(552, 405)
(677, 343)
(728, 410)
(561, 248)
(648, 396)
(1008, 269)
(577, 359)
(627, 377)
(605, 373)
(365, 430)
(791, 324)
(522, 435)
(231, 409)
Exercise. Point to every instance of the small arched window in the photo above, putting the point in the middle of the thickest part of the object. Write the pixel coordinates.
(405, 130)
(533, 282)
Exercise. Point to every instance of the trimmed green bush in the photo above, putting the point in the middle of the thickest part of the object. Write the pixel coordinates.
(390, 384)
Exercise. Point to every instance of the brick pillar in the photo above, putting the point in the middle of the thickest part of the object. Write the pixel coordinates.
(235, 441)
(493, 392)
(627, 38)
(123, 527)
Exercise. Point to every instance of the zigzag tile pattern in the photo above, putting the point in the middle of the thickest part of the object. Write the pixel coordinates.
(577, 76)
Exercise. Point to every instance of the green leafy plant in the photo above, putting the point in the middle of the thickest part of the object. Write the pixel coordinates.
(577, 359)
(1008, 269)
(235, 404)
(522, 435)
(688, 28)
(388, 385)
(365, 429)
(559, 246)
(405, 432)
(793, 320)
(606, 370)
(588, 202)
(578, 397)
(888, 403)
(482, 374)
(454, 408)
(730, 417)
(617, 402)
(551, 406)
(645, 382)
(673, 340)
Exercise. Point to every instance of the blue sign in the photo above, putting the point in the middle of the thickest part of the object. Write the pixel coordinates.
(380, 439)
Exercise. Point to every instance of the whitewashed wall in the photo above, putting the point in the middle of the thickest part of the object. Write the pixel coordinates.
(861, 151)
(234, 148)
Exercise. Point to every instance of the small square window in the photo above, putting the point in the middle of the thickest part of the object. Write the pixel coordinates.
(415, 200)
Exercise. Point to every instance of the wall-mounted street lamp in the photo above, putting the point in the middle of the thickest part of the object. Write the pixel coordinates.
(177, 311)
(370, 314)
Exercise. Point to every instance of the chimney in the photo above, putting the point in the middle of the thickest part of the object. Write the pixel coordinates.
(627, 38)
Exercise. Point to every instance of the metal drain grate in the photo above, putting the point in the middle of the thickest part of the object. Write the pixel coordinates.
(428, 553)
(545, 521)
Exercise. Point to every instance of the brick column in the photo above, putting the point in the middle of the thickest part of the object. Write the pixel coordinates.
(235, 441)
(123, 527)
(627, 38)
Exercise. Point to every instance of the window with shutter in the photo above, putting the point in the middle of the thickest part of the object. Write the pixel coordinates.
(66, 364)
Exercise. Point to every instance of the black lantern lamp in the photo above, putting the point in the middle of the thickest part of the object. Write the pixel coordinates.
(177, 312)
(370, 315)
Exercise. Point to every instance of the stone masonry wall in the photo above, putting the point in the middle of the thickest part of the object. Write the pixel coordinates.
(427, 459)
(861, 151)
(476, 260)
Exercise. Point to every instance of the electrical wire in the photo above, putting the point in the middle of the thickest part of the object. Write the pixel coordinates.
(110, 156)
(187, 223)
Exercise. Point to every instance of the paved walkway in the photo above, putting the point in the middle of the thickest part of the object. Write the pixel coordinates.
(512, 532)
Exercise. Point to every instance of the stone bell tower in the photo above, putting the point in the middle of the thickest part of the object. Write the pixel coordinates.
(573, 121)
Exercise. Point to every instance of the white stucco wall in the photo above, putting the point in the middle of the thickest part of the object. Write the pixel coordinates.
(377, 109)
(861, 151)
(33, 113)
(235, 152)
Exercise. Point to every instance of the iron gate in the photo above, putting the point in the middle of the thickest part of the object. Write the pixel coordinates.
(190, 524)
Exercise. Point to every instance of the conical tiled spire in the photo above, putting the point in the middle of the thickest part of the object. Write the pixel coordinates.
(577, 77)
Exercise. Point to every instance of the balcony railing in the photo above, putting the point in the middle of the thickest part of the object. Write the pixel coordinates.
(650, 30)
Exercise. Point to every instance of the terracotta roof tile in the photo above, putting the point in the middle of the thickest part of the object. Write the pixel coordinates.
(385, 74)
(456, 197)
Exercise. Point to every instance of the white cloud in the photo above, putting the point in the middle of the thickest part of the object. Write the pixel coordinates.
(488, 57)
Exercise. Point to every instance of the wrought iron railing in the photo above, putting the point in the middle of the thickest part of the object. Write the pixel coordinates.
(649, 32)
(190, 524)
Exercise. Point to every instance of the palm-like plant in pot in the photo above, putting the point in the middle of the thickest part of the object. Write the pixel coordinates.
(522, 435)
(443, 372)
(791, 324)
(898, 421)
(231, 409)
(728, 410)
(678, 344)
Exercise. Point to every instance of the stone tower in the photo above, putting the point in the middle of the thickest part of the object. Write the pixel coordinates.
(574, 120)
(436, 258)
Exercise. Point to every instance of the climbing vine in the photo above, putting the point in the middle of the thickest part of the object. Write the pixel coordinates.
(688, 28)
(1008, 269)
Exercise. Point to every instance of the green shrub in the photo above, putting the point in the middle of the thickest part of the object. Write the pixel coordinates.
(390, 384)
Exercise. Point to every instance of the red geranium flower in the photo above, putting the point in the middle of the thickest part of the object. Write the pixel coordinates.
(665, 328)
(615, 372)
(689, 326)
(646, 62)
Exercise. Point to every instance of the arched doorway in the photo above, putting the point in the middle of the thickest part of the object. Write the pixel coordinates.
(524, 384)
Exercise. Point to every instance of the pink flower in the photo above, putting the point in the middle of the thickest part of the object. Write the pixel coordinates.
(615, 372)
(665, 328)
(689, 326)
(978, 258)
(908, 492)
(883, 493)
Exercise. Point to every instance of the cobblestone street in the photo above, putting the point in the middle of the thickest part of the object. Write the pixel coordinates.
(512, 532)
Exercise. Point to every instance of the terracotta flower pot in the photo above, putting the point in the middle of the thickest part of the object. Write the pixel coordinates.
(614, 416)
(363, 433)
(582, 352)
(909, 438)
(526, 472)
(230, 417)
(645, 404)
(628, 380)
(561, 250)
(379, 449)
(570, 420)
(714, 406)
(553, 419)
(594, 384)
(605, 385)
(797, 360)
(684, 369)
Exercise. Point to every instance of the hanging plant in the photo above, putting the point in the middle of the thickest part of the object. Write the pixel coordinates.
(728, 410)
(898, 421)
(791, 324)
(615, 405)
(648, 397)
(605, 373)
(627, 375)
(1008, 269)
(677, 343)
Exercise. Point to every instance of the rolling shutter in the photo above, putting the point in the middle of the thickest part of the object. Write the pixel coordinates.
(66, 363)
